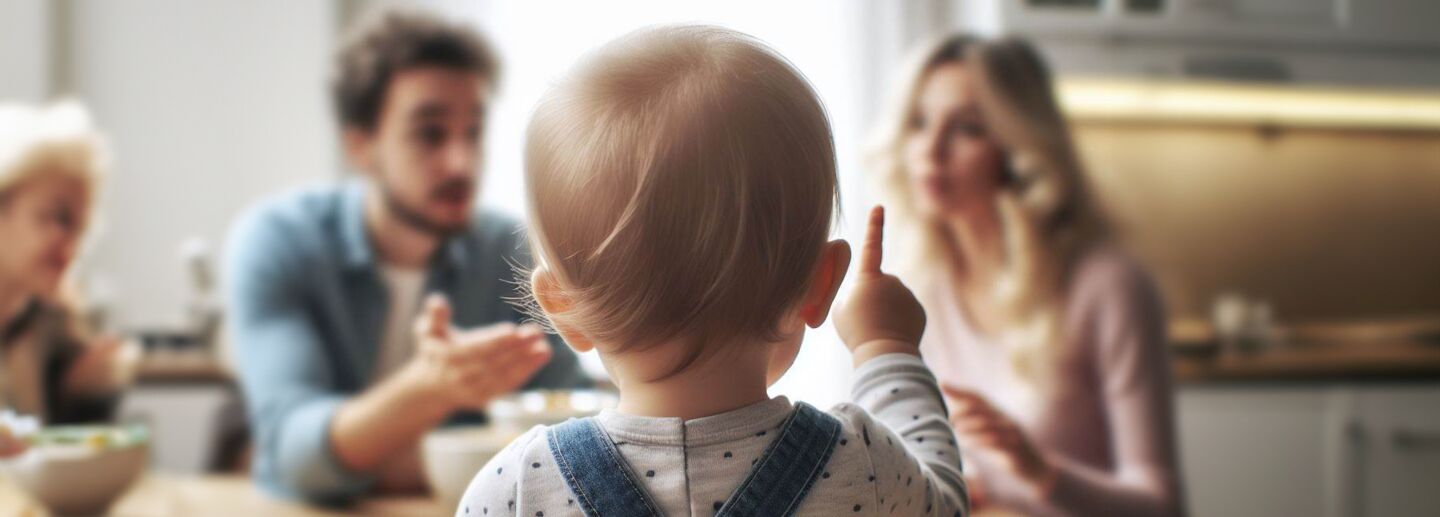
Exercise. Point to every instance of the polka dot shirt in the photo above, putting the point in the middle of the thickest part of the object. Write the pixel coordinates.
(896, 456)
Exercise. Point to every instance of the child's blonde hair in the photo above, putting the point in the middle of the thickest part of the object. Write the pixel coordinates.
(682, 184)
(54, 139)
(58, 139)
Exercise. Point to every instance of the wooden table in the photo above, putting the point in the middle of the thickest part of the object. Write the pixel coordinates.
(170, 496)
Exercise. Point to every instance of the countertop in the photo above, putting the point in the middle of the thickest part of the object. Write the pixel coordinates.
(1401, 349)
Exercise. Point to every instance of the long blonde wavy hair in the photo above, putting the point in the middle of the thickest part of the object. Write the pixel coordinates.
(1048, 215)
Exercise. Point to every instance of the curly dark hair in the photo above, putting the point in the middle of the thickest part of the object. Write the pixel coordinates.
(394, 41)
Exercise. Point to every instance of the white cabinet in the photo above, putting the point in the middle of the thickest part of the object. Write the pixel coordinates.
(1260, 452)
(1399, 450)
(1323, 450)
(183, 421)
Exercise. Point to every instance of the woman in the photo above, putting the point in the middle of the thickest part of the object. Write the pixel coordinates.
(50, 163)
(1049, 341)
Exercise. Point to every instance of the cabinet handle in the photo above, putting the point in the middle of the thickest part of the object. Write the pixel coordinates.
(1353, 501)
(1413, 439)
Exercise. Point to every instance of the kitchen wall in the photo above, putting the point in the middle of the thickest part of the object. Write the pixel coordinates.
(25, 52)
(209, 105)
(1281, 63)
(1326, 222)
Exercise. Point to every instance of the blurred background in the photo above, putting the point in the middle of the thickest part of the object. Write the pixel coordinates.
(1276, 164)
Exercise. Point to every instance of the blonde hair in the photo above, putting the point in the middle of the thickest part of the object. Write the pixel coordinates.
(1016, 100)
(55, 139)
(682, 184)
(58, 139)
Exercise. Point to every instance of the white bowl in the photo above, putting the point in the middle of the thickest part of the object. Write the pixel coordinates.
(80, 478)
(452, 455)
(521, 411)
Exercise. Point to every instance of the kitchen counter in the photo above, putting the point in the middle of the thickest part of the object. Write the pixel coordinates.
(1375, 361)
(1373, 351)
(182, 368)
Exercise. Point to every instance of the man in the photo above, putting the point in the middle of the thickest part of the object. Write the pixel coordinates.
(340, 375)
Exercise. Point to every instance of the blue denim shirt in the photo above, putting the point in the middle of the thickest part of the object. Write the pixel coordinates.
(306, 310)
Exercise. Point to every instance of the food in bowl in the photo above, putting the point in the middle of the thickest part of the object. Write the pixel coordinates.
(80, 470)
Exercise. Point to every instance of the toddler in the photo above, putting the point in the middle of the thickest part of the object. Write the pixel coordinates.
(682, 186)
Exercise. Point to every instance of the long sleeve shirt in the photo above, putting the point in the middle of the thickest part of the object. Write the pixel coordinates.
(896, 456)
(1106, 420)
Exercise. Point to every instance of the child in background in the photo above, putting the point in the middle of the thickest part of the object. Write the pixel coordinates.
(682, 186)
(52, 370)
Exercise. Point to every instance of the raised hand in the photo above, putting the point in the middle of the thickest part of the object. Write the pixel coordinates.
(880, 310)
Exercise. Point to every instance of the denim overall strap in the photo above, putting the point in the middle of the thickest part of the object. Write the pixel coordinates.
(596, 474)
(788, 468)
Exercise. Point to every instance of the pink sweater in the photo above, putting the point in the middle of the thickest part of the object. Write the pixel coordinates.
(1108, 424)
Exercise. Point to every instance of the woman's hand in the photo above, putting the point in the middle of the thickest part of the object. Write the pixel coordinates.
(982, 427)
(979, 493)
(881, 315)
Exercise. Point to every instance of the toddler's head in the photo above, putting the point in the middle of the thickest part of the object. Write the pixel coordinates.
(682, 185)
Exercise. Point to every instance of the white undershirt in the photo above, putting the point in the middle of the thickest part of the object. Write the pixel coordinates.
(405, 287)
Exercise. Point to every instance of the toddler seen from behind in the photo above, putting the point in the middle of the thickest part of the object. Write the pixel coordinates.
(682, 186)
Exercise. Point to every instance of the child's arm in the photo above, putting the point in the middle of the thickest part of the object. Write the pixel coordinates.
(911, 445)
(912, 448)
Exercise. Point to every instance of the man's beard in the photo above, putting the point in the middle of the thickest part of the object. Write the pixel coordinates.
(415, 218)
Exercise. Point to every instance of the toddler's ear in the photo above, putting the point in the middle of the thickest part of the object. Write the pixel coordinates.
(825, 282)
(553, 301)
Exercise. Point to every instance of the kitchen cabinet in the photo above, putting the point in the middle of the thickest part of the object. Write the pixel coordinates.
(1322, 449)
(1398, 452)
(1371, 43)
(1258, 451)
(184, 421)
(1363, 23)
